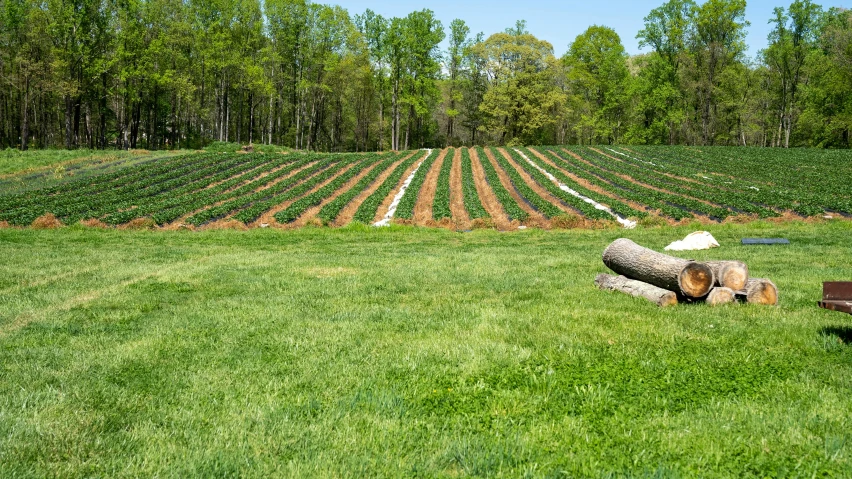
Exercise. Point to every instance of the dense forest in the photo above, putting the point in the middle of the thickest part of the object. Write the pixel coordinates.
(162, 74)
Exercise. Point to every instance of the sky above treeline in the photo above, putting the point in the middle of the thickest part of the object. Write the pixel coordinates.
(559, 22)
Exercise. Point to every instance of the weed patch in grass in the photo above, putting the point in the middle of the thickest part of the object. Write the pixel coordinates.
(46, 221)
(144, 223)
(567, 221)
(94, 223)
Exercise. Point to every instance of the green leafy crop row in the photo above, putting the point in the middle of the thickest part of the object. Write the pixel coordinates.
(292, 212)
(332, 209)
(510, 206)
(545, 207)
(583, 207)
(472, 202)
(615, 184)
(368, 209)
(291, 189)
(441, 203)
(405, 210)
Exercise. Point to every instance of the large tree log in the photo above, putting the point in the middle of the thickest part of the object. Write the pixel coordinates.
(759, 291)
(730, 274)
(720, 295)
(674, 274)
(659, 296)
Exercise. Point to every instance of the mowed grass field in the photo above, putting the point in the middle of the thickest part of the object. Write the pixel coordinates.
(412, 352)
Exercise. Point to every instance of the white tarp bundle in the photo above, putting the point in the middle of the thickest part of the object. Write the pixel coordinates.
(693, 241)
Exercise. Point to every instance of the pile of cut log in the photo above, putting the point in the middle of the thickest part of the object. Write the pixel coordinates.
(666, 280)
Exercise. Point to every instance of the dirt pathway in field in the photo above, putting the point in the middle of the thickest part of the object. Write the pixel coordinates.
(461, 218)
(486, 194)
(385, 205)
(540, 190)
(670, 175)
(268, 173)
(311, 213)
(348, 212)
(423, 207)
(585, 184)
(217, 183)
(700, 217)
(198, 188)
(269, 216)
(645, 185)
(281, 166)
(535, 219)
(180, 222)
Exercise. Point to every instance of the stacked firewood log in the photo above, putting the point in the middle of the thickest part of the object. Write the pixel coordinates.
(666, 280)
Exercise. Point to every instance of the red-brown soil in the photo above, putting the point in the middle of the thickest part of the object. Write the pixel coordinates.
(489, 201)
(540, 190)
(423, 207)
(309, 216)
(535, 218)
(348, 212)
(383, 208)
(461, 219)
(269, 216)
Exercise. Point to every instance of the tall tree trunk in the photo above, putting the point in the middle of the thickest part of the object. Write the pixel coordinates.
(251, 118)
(69, 112)
(102, 113)
(395, 113)
(777, 141)
(227, 116)
(90, 137)
(240, 116)
(77, 104)
(788, 123)
(271, 116)
(25, 116)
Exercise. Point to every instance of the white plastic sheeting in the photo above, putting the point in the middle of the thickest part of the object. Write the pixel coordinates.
(562, 186)
(693, 241)
(396, 199)
(631, 157)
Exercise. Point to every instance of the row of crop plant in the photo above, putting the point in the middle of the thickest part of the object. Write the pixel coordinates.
(595, 182)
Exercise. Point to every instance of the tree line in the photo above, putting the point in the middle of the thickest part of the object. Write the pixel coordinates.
(161, 74)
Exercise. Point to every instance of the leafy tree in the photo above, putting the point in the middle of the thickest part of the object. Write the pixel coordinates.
(661, 113)
(792, 41)
(522, 98)
(716, 42)
(827, 118)
(183, 73)
(596, 65)
(455, 65)
(475, 85)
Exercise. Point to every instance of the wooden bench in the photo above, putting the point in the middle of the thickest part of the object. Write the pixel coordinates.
(837, 296)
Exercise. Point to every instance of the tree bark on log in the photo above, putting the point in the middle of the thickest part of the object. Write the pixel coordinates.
(720, 295)
(690, 278)
(659, 296)
(730, 274)
(759, 291)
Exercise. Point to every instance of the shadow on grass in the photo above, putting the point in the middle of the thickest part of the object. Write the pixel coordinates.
(844, 333)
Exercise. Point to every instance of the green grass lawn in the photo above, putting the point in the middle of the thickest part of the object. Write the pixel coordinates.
(410, 352)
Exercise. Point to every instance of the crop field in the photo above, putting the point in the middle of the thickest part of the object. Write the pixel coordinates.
(461, 188)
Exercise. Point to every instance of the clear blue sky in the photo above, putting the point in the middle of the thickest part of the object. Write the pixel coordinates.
(559, 22)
